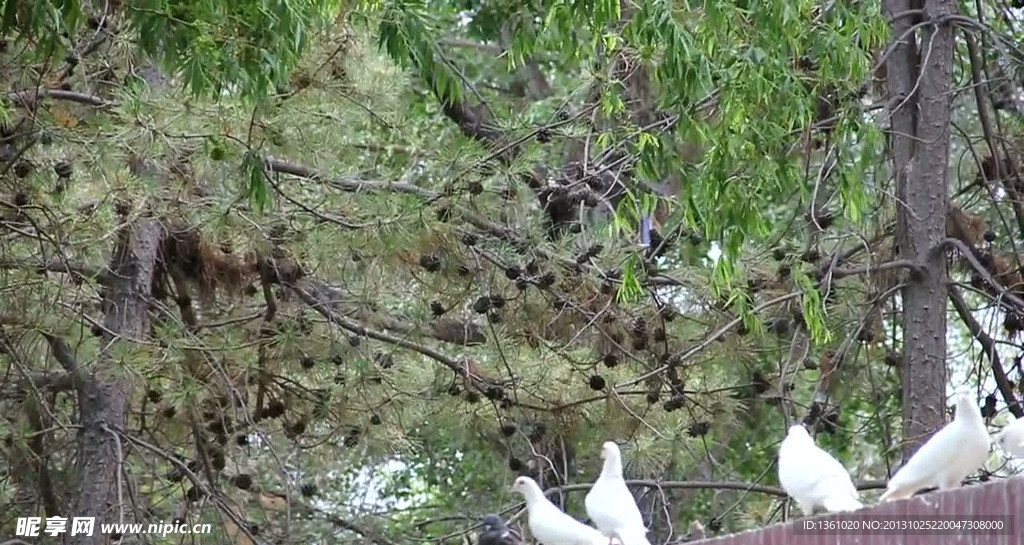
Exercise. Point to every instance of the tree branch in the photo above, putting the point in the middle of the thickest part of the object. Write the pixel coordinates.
(366, 186)
(29, 97)
(868, 269)
(989, 346)
(53, 382)
(78, 271)
(367, 533)
(450, 331)
(348, 185)
(62, 353)
(357, 328)
(1004, 294)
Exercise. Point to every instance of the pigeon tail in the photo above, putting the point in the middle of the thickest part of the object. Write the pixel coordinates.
(905, 483)
(897, 493)
(842, 503)
(634, 537)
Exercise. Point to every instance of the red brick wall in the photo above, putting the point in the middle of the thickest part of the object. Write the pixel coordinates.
(1003, 499)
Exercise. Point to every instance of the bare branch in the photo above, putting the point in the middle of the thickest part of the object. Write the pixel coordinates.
(62, 353)
(77, 270)
(29, 97)
(349, 185)
(52, 382)
(852, 271)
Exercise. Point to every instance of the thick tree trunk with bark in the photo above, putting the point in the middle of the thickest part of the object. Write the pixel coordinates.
(919, 87)
(104, 389)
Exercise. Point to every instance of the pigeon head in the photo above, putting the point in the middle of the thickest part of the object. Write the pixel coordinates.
(609, 450)
(962, 391)
(612, 467)
(798, 431)
(965, 405)
(528, 488)
(1000, 436)
(493, 522)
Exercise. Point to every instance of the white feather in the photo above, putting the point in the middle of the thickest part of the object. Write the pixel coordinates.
(812, 477)
(956, 451)
(548, 524)
(1011, 437)
(611, 506)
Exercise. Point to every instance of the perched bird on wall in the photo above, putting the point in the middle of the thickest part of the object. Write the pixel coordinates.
(956, 451)
(1011, 437)
(549, 524)
(812, 477)
(611, 506)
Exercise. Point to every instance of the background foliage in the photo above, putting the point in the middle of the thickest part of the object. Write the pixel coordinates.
(403, 258)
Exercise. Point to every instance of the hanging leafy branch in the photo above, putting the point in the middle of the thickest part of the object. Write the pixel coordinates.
(405, 34)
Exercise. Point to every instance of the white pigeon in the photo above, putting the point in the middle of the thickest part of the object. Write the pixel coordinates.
(611, 506)
(812, 477)
(1011, 437)
(954, 452)
(548, 524)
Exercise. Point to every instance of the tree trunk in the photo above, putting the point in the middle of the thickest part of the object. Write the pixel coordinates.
(104, 390)
(920, 145)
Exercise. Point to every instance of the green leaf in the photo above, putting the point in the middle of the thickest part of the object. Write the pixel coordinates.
(631, 290)
(256, 189)
(813, 308)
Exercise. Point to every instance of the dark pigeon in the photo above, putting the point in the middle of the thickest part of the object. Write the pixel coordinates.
(495, 532)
